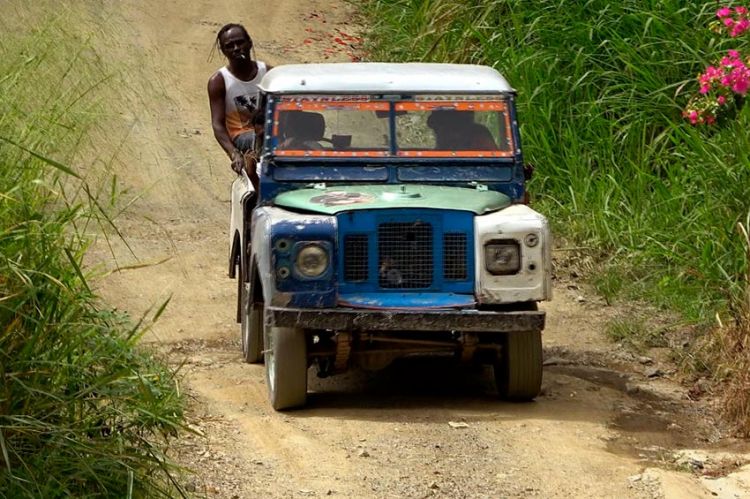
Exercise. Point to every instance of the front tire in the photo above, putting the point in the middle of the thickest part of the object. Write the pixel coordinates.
(251, 327)
(518, 370)
(286, 367)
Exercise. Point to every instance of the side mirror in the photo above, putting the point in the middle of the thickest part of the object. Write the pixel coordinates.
(528, 171)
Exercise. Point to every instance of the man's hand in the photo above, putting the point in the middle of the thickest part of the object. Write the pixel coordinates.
(238, 161)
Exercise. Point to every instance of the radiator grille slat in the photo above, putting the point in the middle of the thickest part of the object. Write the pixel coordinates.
(356, 261)
(405, 258)
(454, 256)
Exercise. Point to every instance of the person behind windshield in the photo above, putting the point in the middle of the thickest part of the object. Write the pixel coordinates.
(457, 131)
(302, 130)
(234, 96)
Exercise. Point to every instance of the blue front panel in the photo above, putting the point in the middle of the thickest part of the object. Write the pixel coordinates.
(497, 172)
(330, 173)
(287, 238)
(416, 251)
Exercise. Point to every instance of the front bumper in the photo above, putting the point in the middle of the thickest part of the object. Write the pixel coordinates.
(406, 320)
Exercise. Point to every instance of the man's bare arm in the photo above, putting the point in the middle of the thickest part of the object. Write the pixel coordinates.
(252, 173)
(216, 95)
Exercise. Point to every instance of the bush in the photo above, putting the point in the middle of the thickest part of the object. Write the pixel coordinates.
(601, 90)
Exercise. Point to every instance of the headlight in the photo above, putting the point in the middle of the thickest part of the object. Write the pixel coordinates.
(312, 261)
(502, 257)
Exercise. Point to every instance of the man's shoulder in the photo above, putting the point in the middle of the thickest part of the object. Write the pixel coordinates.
(218, 75)
(264, 66)
(216, 80)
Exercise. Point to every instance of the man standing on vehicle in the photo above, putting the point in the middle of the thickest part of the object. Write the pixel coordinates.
(234, 96)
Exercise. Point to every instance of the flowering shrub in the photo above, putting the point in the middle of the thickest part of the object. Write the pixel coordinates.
(724, 84)
(719, 85)
(733, 21)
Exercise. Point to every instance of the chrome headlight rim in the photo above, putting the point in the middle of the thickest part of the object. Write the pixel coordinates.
(513, 267)
(312, 260)
(531, 240)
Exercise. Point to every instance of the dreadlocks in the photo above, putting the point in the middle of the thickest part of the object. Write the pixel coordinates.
(226, 28)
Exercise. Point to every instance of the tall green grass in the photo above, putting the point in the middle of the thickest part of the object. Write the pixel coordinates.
(601, 87)
(83, 412)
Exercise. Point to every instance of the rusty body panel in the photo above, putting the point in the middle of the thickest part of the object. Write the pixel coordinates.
(406, 320)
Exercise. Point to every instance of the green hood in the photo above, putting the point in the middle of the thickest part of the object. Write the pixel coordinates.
(335, 199)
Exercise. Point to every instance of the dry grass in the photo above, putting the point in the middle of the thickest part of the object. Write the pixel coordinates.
(724, 353)
(734, 352)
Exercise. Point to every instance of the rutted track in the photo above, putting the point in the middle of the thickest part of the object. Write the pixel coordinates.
(601, 429)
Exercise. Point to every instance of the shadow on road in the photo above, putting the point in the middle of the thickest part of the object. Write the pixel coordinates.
(439, 390)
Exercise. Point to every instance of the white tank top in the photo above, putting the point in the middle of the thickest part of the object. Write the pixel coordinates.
(241, 100)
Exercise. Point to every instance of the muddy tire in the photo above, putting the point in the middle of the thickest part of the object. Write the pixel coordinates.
(251, 327)
(518, 370)
(286, 367)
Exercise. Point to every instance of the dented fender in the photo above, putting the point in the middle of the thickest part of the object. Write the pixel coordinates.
(533, 282)
(269, 223)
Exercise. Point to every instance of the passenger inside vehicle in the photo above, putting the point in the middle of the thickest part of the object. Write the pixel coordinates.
(302, 130)
(457, 131)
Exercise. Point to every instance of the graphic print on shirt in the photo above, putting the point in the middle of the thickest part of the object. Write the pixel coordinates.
(246, 106)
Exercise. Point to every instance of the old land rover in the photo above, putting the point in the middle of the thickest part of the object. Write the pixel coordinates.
(391, 220)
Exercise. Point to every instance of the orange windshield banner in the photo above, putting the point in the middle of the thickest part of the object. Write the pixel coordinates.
(451, 105)
(299, 153)
(306, 105)
(455, 154)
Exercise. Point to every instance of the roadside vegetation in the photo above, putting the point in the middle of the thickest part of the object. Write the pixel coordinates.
(83, 411)
(620, 171)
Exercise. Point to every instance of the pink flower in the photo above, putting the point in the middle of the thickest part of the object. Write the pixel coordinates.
(741, 86)
(721, 82)
(739, 28)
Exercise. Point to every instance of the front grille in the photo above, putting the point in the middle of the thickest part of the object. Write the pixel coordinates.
(355, 258)
(454, 256)
(405, 255)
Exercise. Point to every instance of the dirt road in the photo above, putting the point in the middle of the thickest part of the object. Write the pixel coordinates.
(609, 424)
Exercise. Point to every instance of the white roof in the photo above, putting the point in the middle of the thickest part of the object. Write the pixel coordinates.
(379, 78)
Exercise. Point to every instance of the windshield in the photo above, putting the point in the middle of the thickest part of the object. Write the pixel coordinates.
(364, 126)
